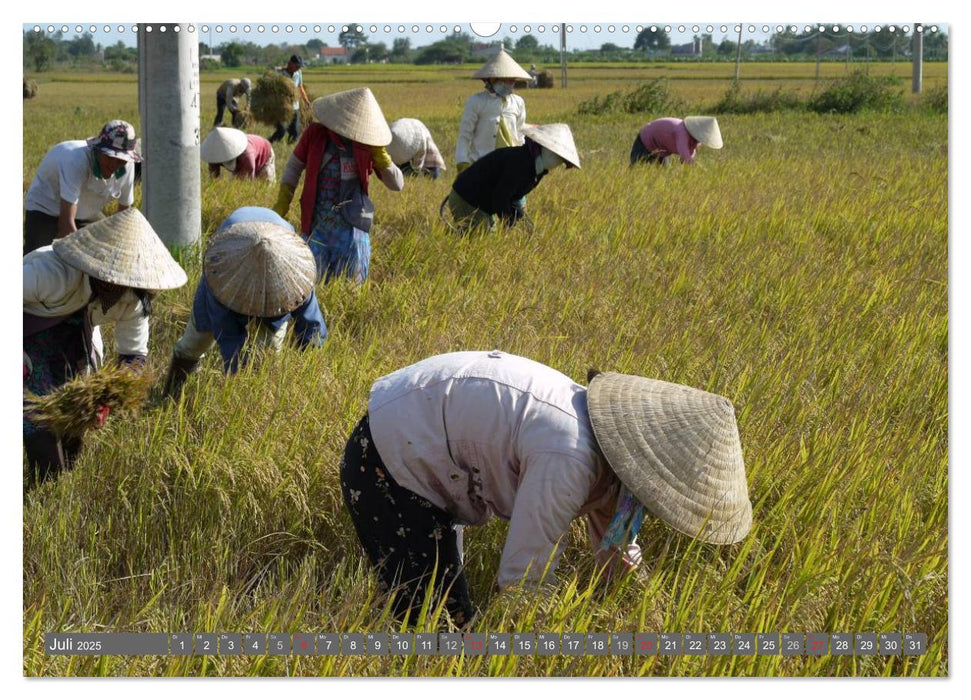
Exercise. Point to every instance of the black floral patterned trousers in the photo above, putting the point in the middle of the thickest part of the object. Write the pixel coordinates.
(408, 539)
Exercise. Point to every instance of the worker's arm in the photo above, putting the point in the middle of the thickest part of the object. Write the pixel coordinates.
(65, 218)
(683, 148)
(389, 173)
(463, 146)
(309, 328)
(552, 488)
(288, 182)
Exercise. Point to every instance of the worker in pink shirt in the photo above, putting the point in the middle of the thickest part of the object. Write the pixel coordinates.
(668, 136)
(243, 155)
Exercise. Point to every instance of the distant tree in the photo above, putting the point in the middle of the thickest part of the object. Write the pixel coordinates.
(39, 50)
(889, 41)
(231, 54)
(657, 40)
(789, 42)
(448, 50)
(377, 51)
(935, 45)
(315, 45)
(707, 44)
(726, 47)
(609, 48)
(527, 42)
(507, 44)
(120, 52)
(81, 46)
(401, 50)
(353, 37)
(274, 55)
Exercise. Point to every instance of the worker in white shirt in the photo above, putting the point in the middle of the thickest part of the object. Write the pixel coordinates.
(458, 438)
(495, 117)
(76, 180)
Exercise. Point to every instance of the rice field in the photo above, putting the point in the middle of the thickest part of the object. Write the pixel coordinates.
(801, 271)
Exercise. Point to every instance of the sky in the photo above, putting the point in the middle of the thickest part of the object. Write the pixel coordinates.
(586, 32)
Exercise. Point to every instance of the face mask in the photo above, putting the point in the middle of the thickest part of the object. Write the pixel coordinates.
(502, 89)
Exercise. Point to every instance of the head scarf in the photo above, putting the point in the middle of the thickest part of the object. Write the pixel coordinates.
(623, 527)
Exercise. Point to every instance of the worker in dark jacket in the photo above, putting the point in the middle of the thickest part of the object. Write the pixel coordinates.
(494, 184)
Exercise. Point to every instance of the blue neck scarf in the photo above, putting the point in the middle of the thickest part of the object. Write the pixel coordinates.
(623, 527)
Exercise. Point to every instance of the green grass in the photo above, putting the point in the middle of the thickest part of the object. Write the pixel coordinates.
(800, 271)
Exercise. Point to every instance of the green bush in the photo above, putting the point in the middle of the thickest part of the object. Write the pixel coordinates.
(857, 92)
(651, 96)
(734, 101)
(935, 99)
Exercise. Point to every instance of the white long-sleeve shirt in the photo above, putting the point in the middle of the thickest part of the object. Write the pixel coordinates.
(54, 288)
(480, 124)
(483, 434)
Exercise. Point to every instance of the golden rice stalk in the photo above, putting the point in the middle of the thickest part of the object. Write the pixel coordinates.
(241, 118)
(271, 101)
(71, 409)
(30, 88)
(306, 113)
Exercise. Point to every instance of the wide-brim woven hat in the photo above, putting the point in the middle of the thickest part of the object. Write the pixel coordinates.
(556, 137)
(705, 130)
(122, 249)
(354, 114)
(222, 144)
(677, 450)
(259, 269)
(502, 65)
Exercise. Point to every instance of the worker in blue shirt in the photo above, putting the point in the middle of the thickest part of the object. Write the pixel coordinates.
(257, 275)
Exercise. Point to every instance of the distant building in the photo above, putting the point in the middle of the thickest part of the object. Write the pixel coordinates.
(692, 48)
(330, 55)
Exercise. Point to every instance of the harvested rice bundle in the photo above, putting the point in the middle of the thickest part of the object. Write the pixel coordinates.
(80, 405)
(544, 79)
(271, 101)
(241, 118)
(30, 88)
(307, 113)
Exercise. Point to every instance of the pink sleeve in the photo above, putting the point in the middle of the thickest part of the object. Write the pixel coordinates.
(682, 143)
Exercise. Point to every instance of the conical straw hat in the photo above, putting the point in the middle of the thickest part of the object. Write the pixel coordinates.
(677, 450)
(223, 144)
(556, 137)
(259, 269)
(122, 249)
(705, 130)
(502, 65)
(354, 114)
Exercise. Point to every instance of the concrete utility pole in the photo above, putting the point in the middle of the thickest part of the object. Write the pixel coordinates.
(918, 51)
(563, 55)
(168, 102)
(738, 53)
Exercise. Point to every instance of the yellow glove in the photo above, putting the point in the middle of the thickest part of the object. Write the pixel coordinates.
(380, 157)
(282, 205)
(461, 166)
